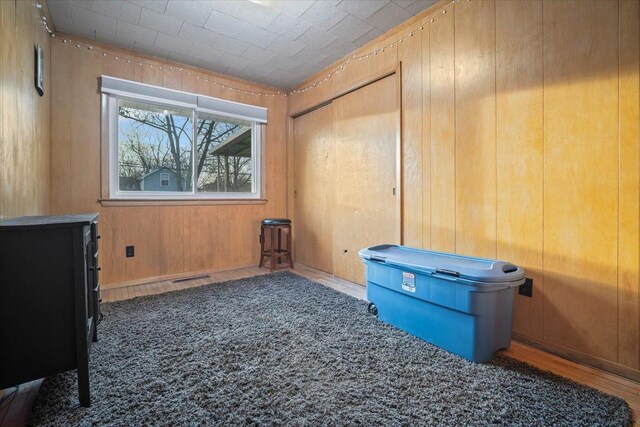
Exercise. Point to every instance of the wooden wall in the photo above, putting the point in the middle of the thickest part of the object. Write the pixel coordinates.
(169, 239)
(520, 136)
(24, 115)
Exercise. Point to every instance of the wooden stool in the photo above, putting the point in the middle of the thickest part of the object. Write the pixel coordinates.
(273, 252)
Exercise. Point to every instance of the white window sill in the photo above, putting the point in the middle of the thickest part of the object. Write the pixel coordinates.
(179, 202)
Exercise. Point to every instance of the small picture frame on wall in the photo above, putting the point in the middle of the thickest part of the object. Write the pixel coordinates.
(39, 69)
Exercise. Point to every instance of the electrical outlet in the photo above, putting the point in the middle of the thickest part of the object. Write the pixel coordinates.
(130, 251)
(526, 289)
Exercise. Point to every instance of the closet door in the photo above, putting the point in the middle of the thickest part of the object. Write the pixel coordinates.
(366, 126)
(314, 182)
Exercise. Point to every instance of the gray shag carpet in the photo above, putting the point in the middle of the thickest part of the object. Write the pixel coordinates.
(281, 350)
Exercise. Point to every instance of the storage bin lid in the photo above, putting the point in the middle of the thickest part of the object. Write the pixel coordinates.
(440, 263)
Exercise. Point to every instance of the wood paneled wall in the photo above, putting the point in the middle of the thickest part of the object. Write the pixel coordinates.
(24, 115)
(520, 133)
(168, 239)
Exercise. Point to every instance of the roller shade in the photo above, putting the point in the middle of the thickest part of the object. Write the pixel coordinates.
(232, 109)
(126, 88)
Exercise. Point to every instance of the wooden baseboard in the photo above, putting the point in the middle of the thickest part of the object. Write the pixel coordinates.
(148, 280)
(576, 356)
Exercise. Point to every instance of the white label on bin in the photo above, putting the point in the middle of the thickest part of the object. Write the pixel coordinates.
(408, 282)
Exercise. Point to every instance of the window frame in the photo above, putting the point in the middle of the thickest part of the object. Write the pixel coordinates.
(168, 175)
(110, 119)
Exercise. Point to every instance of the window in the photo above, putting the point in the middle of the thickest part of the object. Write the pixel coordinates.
(175, 145)
(154, 142)
(224, 153)
(164, 180)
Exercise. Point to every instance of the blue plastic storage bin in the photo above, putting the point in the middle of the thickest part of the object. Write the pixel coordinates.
(459, 303)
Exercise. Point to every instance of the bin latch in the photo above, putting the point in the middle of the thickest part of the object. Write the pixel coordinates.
(447, 272)
(378, 258)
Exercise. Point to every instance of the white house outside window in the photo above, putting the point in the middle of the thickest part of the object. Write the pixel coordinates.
(166, 144)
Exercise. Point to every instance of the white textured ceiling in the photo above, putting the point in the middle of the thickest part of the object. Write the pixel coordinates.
(275, 42)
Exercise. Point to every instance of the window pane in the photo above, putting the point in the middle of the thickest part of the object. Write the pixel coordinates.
(224, 154)
(154, 147)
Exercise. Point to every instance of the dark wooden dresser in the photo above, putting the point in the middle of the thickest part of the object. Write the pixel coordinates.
(49, 297)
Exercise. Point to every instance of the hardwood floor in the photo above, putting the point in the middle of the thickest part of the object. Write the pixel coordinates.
(15, 409)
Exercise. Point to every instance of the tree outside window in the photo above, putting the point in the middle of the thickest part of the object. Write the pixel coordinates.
(154, 139)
